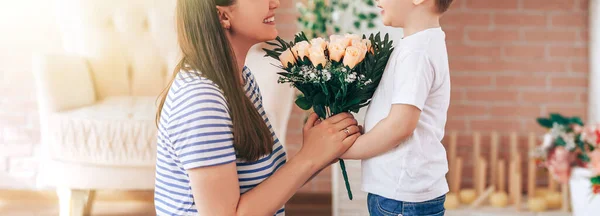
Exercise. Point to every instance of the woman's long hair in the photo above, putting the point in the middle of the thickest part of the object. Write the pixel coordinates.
(205, 48)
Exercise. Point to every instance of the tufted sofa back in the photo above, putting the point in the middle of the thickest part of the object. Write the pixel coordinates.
(130, 45)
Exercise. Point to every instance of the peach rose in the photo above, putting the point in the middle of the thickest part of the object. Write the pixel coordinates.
(595, 160)
(591, 134)
(559, 164)
(320, 42)
(369, 45)
(287, 57)
(352, 56)
(301, 49)
(335, 38)
(352, 37)
(336, 51)
(346, 40)
(317, 56)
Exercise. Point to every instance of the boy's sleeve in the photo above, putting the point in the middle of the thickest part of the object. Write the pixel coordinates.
(413, 79)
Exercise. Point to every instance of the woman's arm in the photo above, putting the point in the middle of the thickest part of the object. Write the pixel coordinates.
(216, 188)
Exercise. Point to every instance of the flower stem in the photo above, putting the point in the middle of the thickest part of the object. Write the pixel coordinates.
(343, 166)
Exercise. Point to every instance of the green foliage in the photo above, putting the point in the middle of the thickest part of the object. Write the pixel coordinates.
(336, 95)
(559, 119)
(316, 18)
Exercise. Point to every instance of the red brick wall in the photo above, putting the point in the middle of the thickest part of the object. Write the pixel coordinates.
(511, 61)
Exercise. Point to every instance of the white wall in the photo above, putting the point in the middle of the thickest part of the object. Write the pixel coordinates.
(26, 26)
(594, 89)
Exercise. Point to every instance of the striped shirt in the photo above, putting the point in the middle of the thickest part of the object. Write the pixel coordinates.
(196, 130)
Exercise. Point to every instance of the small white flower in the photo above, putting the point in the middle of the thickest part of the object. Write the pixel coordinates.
(326, 75)
(351, 78)
(548, 139)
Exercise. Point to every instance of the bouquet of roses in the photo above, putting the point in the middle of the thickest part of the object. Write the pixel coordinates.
(335, 76)
(569, 143)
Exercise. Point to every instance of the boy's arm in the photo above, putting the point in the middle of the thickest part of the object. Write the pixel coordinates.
(387, 134)
(412, 81)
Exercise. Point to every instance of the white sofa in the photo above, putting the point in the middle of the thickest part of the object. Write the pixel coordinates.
(97, 100)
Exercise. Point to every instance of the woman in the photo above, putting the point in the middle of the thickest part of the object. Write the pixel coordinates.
(217, 153)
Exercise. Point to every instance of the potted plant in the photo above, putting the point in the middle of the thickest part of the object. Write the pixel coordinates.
(571, 152)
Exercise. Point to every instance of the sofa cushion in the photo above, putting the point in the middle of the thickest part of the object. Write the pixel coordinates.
(114, 131)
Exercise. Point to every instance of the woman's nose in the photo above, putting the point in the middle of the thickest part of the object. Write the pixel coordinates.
(274, 4)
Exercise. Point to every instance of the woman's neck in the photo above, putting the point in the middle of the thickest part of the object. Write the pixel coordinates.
(240, 47)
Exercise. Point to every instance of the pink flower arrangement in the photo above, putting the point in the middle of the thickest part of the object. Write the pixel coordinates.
(568, 143)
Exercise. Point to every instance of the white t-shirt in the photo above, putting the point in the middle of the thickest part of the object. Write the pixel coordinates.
(417, 74)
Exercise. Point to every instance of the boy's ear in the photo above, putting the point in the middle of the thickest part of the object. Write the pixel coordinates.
(418, 2)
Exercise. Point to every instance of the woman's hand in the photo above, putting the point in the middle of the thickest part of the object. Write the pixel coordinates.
(328, 140)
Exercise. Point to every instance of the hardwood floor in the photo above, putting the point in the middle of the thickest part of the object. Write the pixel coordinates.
(140, 203)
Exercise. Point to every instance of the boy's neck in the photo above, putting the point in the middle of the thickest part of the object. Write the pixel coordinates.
(419, 21)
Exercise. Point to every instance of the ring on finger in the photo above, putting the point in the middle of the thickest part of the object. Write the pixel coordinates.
(347, 131)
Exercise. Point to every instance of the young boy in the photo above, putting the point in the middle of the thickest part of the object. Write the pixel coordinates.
(404, 162)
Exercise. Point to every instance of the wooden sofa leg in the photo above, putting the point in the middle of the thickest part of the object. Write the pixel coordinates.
(72, 201)
(89, 203)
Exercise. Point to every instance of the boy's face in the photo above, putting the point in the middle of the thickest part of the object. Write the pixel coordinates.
(395, 12)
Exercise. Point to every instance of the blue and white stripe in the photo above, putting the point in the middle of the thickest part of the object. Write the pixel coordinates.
(196, 130)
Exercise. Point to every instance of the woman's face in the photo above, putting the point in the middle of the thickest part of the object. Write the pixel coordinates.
(253, 20)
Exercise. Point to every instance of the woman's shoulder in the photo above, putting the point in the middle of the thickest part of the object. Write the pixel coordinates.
(189, 86)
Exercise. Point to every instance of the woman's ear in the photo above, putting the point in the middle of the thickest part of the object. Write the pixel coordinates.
(224, 17)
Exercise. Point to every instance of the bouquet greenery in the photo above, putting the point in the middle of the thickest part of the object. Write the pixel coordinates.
(336, 76)
(568, 143)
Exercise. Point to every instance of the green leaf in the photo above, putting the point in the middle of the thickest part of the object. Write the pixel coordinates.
(357, 24)
(372, 15)
(320, 99)
(584, 158)
(560, 142)
(371, 25)
(558, 118)
(303, 103)
(596, 180)
(577, 120)
(362, 16)
(544, 122)
(320, 111)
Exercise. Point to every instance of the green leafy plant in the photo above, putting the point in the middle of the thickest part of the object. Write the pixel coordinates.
(318, 17)
(336, 84)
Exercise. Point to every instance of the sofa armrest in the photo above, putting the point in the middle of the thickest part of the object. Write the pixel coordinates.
(63, 82)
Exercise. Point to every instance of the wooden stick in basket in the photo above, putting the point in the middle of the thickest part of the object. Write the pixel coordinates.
(518, 189)
(456, 177)
(532, 168)
(501, 176)
(565, 197)
(452, 157)
(518, 184)
(551, 183)
(495, 141)
(483, 197)
(481, 176)
(476, 156)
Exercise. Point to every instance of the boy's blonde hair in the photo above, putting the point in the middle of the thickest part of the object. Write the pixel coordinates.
(442, 5)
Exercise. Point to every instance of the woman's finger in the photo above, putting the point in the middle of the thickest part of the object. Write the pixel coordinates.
(349, 141)
(345, 124)
(310, 122)
(317, 122)
(339, 117)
